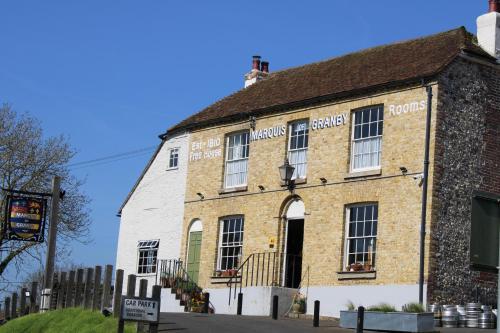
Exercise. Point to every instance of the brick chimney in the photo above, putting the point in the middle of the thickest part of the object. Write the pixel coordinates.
(259, 71)
(488, 29)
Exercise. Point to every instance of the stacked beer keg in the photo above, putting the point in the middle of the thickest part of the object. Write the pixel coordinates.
(487, 318)
(436, 309)
(462, 317)
(472, 312)
(449, 316)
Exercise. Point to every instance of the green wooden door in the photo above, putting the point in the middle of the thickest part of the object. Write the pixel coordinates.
(193, 266)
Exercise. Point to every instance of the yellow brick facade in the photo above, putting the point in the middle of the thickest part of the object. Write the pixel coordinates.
(398, 196)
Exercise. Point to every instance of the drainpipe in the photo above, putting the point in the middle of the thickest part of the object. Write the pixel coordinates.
(424, 195)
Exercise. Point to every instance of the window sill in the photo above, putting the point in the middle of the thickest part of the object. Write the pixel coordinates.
(367, 173)
(146, 274)
(299, 181)
(233, 189)
(170, 169)
(361, 275)
(223, 279)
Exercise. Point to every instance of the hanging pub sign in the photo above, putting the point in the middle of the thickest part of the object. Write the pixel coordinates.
(25, 218)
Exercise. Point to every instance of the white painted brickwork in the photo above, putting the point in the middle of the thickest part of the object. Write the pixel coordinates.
(155, 211)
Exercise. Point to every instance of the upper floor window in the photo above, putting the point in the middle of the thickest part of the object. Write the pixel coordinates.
(173, 160)
(297, 148)
(230, 243)
(361, 237)
(148, 252)
(237, 152)
(367, 138)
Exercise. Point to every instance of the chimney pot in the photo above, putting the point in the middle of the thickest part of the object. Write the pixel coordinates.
(265, 66)
(256, 62)
(494, 6)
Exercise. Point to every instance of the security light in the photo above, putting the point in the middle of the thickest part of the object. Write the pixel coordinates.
(200, 195)
(404, 170)
(323, 180)
(262, 188)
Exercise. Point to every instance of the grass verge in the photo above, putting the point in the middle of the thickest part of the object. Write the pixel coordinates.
(73, 320)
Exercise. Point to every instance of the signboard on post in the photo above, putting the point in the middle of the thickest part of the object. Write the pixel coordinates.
(140, 309)
(25, 218)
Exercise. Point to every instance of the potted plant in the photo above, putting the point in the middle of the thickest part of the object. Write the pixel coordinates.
(384, 317)
(299, 303)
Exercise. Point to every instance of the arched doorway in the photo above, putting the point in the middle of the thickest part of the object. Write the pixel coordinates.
(294, 240)
(194, 250)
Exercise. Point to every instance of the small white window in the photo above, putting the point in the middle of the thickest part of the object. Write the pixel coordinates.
(297, 148)
(173, 161)
(230, 243)
(147, 253)
(361, 237)
(367, 138)
(237, 152)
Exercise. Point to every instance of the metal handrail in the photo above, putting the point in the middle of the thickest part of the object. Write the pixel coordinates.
(262, 269)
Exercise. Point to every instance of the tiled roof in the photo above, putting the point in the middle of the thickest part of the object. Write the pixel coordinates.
(375, 67)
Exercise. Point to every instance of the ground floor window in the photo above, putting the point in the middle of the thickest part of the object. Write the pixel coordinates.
(147, 253)
(230, 243)
(361, 237)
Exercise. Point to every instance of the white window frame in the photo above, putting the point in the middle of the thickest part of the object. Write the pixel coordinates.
(227, 161)
(171, 151)
(354, 141)
(239, 244)
(303, 149)
(347, 239)
(150, 248)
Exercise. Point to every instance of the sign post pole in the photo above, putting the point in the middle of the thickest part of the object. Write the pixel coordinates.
(51, 251)
(498, 282)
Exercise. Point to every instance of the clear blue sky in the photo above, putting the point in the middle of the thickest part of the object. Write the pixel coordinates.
(113, 75)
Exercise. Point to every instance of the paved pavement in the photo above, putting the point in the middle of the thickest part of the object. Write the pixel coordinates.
(203, 323)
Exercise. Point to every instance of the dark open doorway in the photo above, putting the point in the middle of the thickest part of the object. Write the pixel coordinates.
(293, 262)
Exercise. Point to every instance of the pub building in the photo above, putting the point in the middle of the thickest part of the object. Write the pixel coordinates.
(345, 223)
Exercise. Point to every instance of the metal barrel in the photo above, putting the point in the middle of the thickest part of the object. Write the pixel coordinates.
(486, 320)
(449, 316)
(436, 309)
(472, 312)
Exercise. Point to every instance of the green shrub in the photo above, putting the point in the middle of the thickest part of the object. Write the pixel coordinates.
(413, 308)
(350, 306)
(382, 307)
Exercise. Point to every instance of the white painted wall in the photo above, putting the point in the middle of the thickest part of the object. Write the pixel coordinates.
(333, 299)
(257, 301)
(155, 211)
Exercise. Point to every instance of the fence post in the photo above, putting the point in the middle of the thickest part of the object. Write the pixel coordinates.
(97, 286)
(78, 287)
(54, 292)
(70, 295)
(153, 328)
(33, 295)
(130, 293)
(22, 306)
(106, 289)
(62, 291)
(13, 313)
(7, 308)
(89, 280)
(143, 289)
(118, 293)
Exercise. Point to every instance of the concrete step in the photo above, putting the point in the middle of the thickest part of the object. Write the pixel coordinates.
(169, 303)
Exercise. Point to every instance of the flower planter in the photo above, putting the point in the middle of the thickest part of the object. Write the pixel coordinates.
(390, 321)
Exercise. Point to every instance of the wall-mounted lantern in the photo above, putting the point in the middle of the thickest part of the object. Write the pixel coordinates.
(286, 174)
